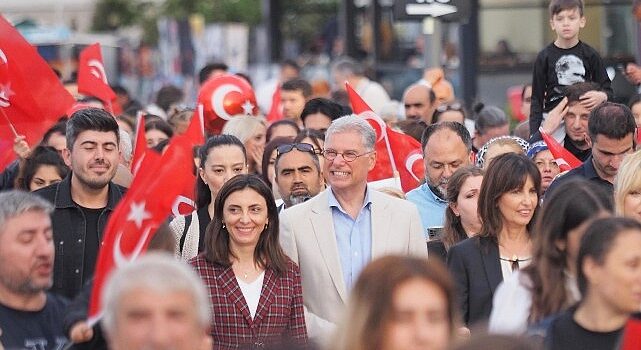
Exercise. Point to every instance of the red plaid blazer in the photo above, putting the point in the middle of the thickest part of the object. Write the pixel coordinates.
(279, 316)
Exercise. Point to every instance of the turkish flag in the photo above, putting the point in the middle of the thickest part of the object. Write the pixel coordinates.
(631, 339)
(223, 97)
(92, 78)
(140, 143)
(32, 98)
(276, 110)
(395, 151)
(195, 136)
(145, 206)
(564, 159)
(195, 131)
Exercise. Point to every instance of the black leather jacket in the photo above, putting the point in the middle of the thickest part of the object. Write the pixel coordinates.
(69, 234)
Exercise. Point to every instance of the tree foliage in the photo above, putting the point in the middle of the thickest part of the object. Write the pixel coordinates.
(244, 11)
(111, 14)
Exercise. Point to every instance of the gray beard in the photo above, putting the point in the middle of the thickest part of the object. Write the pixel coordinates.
(298, 199)
(441, 193)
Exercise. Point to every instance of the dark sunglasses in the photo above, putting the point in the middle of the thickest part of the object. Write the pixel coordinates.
(302, 147)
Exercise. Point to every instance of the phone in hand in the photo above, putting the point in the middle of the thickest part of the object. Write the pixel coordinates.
(434, 233)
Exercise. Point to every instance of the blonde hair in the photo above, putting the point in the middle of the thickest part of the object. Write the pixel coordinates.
(243, 126)
(628, 179)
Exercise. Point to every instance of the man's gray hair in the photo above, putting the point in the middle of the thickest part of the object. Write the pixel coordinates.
(161, 273)
(16, 202)
(353, 123)
(348, 66)
(490, 117)
(126, 147)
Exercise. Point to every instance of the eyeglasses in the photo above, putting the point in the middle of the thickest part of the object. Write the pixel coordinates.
(302, 147)
(449, 107)
(349, 156)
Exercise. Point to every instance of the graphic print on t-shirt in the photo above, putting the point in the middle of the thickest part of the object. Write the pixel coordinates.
(569, 70)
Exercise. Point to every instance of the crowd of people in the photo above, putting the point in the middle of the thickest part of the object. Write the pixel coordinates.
(290, 247)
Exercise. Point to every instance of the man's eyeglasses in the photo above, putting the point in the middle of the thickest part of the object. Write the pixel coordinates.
(349, 156)
(449, 107)
(302, 147)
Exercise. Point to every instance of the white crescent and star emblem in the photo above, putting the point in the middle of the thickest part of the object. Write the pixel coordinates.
(5, 89)
(561, 162)
(97, 69)
(138, 214)
(369, 115)
(178, 201)
(409, 163)
(248, 108)
(217, 100)
(120, 259)
(3, 57)
(5, 93)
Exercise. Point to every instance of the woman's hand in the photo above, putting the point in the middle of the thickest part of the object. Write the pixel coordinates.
(256, 156)
(21, 147)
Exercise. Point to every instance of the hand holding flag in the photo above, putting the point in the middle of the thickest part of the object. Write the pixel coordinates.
(145, 206)
(27, 108)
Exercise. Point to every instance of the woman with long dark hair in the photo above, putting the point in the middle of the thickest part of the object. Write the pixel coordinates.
(221, 158)
(548, 285)
(609, 279)
(461, 215)
(508, 201)
(255, 289)
(43, 167)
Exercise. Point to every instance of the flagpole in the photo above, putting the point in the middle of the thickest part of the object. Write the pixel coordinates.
(139, 116)
(13, 129)
(201, 116)
(391, 155)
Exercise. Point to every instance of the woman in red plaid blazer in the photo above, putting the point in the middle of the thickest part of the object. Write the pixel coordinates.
(241, 250)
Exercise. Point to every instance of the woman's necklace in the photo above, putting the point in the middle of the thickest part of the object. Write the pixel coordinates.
(246, 273)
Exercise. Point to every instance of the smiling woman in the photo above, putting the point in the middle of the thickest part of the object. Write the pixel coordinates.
(508, 200)
(255, 288)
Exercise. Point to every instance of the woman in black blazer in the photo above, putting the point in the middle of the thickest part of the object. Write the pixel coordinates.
(508, 200)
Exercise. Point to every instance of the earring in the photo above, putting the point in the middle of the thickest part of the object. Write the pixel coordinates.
(267, 224)
(223, 225)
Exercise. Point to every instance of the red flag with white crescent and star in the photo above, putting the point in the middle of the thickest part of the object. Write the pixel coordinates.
(140, 143)
(565, 160)
(223, 97)
(27, 107)
(145, 206)
(395, 151)
(92, 78)
(276, 109)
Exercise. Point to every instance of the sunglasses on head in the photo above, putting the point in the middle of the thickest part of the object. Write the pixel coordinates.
(302, 147)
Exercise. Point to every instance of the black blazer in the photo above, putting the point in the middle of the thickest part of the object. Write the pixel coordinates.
(476, 269)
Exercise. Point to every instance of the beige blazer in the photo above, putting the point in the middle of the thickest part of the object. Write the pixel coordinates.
(307, 236)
